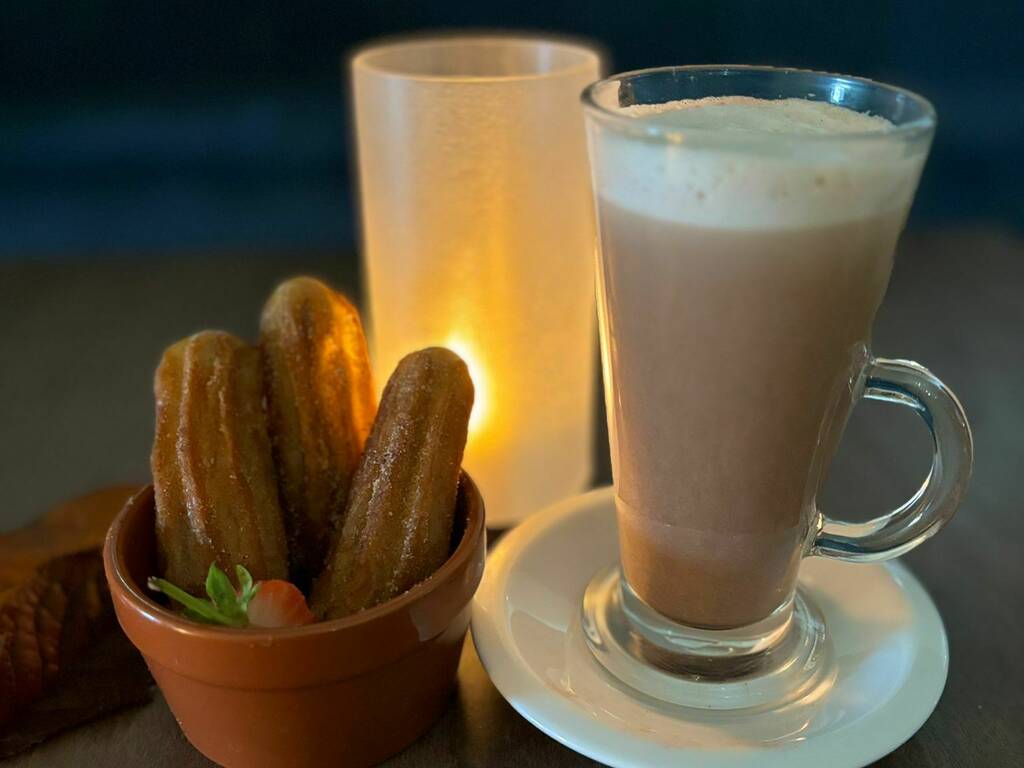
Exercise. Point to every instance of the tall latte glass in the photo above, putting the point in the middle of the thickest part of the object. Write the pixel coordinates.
(748, 218)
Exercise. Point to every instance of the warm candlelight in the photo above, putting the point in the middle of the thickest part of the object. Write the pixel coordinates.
(478, 417)
(479, 235)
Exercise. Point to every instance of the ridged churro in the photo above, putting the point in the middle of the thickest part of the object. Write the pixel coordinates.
(216, 491)
(398, 521)
(320, 406)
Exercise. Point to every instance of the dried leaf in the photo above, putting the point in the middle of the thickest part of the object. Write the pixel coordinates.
(7, 681)
(28, 664)
(49, 617)
(108, 677)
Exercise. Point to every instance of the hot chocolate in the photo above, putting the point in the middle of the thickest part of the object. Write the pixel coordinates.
(740, 286)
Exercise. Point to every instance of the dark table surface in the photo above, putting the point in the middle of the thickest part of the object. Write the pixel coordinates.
(79, 340)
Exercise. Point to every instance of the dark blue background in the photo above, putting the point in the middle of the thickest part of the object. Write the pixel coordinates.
(130, 127)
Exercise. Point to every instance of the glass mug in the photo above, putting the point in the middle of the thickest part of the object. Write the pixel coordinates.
(740, 273)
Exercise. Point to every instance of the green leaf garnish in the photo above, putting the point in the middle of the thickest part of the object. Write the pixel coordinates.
(225, 606)
(222, 593)
(246, 588)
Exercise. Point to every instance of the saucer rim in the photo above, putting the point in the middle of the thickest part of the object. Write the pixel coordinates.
(531, 697)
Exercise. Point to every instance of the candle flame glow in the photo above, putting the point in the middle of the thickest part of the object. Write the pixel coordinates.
(476, 372)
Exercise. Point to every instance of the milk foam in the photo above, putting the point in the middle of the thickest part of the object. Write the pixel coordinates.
(743, 113)
(737, 162)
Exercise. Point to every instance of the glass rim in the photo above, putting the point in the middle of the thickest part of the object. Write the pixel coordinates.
(643, 127)
(586, 57)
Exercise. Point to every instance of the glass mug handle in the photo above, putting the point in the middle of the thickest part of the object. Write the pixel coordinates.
(928, 510)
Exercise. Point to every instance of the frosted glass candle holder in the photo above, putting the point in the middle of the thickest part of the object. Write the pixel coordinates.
(478, 233)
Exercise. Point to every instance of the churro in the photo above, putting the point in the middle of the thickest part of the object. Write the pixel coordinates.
(320, 405)
(216, 491)
(398, 521)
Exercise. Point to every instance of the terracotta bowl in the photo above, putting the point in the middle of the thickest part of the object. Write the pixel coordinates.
(347, 692)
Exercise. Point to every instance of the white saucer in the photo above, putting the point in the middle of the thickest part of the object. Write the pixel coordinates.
(888, 641)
